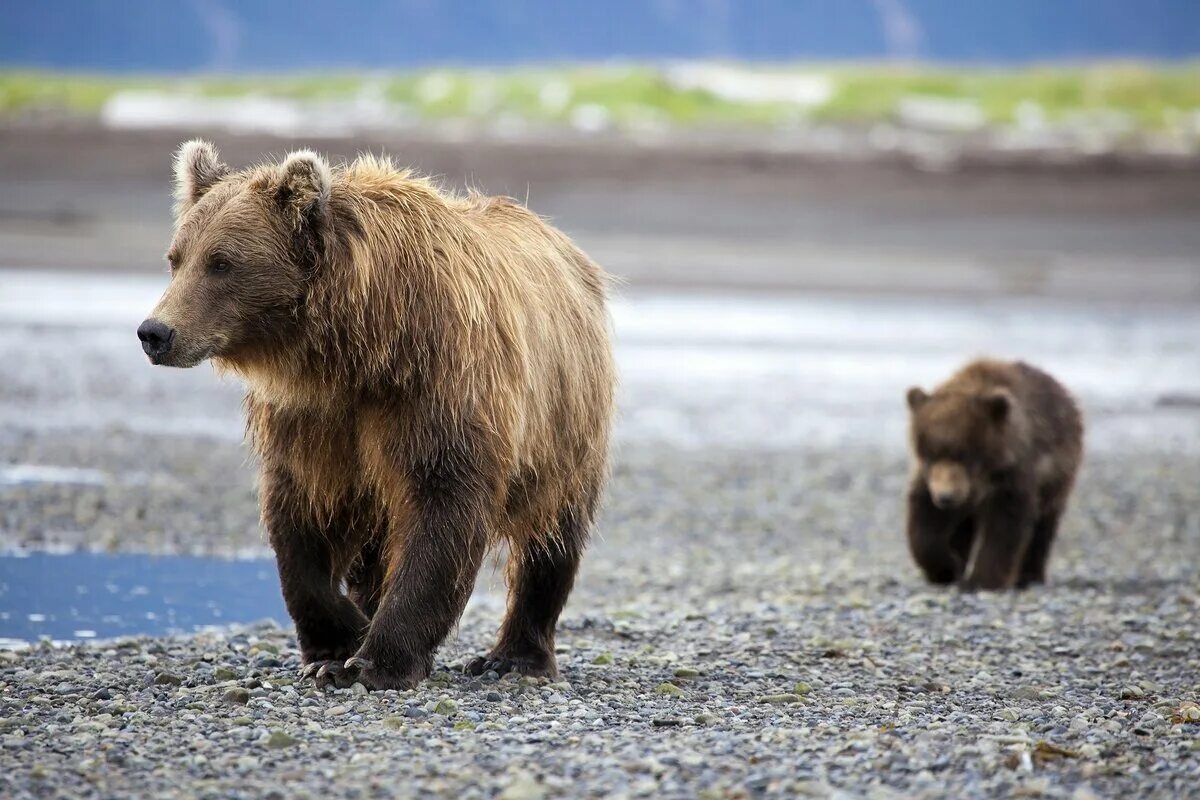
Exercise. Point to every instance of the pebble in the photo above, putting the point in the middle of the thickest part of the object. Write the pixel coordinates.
(236, 695)
(523, 786)
(446, 707)
(1151, 721)
(278, 740)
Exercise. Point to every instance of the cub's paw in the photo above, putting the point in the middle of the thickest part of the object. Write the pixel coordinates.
(974, 585)
(1027, 581)
(540, 665)
(370, 674)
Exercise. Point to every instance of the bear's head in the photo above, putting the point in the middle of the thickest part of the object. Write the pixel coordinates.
(961, 439)
(245, 245)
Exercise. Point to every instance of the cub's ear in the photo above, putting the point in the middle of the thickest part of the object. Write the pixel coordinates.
(998, 402)
(197, 169)
(916, 398)
(304, 186)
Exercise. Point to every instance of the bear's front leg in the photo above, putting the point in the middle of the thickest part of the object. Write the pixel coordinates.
(329, 627)
(931, 533)
(438, 541)
(1005, 530)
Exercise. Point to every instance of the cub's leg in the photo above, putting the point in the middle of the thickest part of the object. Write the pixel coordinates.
(932, 537)
(962, 541)
(1005, 531)
(329, 626)
(437, 534)
(1033, 568)
(539, 579)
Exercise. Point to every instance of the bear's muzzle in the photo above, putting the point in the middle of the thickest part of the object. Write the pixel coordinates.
(156, 339)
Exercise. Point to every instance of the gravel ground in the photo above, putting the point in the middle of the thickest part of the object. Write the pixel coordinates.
(746, 624)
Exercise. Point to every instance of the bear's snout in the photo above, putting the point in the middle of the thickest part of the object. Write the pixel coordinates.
(949, 484)
(156, 339)
(947, 499)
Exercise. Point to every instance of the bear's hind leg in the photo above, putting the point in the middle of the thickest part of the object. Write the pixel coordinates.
(962, 542)
(1033, 568)
(540, 579)
(364, 583)
(329, 627)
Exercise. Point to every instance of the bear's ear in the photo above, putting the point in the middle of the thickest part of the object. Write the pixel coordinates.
(304, 186)
(916, 398)
(197, 169)
(998, 402)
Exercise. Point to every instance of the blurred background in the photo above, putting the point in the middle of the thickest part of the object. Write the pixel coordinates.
(812, 204)
(865, 145)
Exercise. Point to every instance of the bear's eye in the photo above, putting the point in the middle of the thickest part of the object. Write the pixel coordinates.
(218, 266)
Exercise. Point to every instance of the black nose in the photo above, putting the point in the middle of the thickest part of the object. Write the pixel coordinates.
(156, 338)
(945, 499)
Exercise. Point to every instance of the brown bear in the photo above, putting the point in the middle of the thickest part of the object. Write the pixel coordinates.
(996, 450)
(427, 375)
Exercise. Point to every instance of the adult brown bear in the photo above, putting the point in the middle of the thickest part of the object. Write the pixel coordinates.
(996, 448)
(427, 376)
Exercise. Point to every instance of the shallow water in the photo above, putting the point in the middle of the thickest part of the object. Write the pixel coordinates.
(83, 596)
(697, 369)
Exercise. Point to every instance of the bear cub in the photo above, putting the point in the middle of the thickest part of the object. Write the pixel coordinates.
(996, 449)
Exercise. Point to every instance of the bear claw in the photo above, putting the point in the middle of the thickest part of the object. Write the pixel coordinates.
(311, 669)
(502, 665)
(333, 674)
(356, 669)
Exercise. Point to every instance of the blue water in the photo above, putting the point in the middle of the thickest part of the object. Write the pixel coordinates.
(180, 35)
(93, 596)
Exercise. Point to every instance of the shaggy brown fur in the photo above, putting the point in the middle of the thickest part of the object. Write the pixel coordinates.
(427, 376)
(997, 447)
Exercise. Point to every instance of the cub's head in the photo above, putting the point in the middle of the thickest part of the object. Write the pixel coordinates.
(960, 440)
(245, 245)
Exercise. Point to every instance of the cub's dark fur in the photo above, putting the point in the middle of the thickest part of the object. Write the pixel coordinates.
(996, 448)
